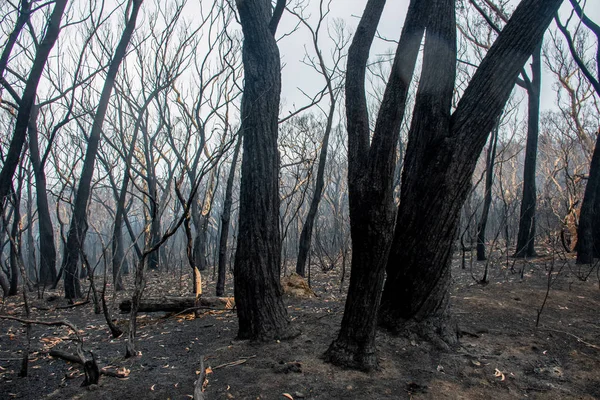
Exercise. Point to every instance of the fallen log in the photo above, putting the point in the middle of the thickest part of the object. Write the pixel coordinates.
(176, 304)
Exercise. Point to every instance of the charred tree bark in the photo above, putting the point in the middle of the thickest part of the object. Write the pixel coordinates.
(258, 294)
(78, 227)
(588, 245)
(370, 181)
(46, 230)
(526, 235)
(15, 247)
(438, 173)
(225, 218)
(487, 201)
(27, 100)
(590, 212)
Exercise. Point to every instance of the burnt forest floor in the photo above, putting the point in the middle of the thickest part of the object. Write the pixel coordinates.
(502, 355)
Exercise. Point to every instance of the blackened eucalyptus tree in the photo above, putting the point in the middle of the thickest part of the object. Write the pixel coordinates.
(77, 229)
(258, 294)
(371, 165)
(441, 156)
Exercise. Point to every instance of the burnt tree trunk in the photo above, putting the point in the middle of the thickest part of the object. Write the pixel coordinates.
(439, 166)
(370, 181)
(307, 228)
(15, 246)
(201, 239)
(225, 219)
(590, 211)
(487, 200)
(78, 227)
(526, 235)
(258, 294)
(22, 18)
(27, 100)
(47, 274)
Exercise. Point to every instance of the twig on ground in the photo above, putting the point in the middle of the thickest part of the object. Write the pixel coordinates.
(234, 363)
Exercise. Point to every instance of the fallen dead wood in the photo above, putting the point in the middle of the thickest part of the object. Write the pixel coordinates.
(74, 358)
(177, 304)
(200, 382)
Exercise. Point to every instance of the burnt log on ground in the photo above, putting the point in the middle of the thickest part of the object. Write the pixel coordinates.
(177, 304)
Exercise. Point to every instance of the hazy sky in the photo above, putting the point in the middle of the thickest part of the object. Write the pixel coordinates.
(295, 74)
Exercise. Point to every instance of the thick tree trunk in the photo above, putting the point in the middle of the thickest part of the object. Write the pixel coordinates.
(487, 200)
(258, 294)
(28, 98)
(526, 236)
(225, 218)
(590, 212)
(46, 230)
(427, 184)
(437, 178)
(370, 181)
(77, 229)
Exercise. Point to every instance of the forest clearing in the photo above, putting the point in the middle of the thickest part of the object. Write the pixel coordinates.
(501, 353)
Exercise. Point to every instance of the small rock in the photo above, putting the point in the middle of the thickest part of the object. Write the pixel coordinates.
(299, 395)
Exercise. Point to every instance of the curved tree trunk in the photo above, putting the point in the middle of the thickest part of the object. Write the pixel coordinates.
(225, 218)
(437, 178)
(78, 227)
(590, 211)
(526, 236)
(28, 98)
(370, 181)
(258, 294)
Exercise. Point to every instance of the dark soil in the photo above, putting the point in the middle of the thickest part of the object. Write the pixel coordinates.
(502, 355)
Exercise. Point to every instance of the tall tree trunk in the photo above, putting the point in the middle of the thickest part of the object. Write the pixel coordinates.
(77, 229)
(526, 236)
(590, 212)
(370, 180)
(307, 228)
(28, 98)
(15, 246)
(204, 218)
(31, 253)
(258, 294)
(438, 176)
(46, 230)
(225, 218)
(487, 200)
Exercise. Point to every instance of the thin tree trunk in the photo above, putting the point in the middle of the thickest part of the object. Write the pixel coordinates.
(15, 247)
(258, 294)
(24, 14)
(487, 201)
(225, 219)
(526, 235)
(78, 227)
(27, 100)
